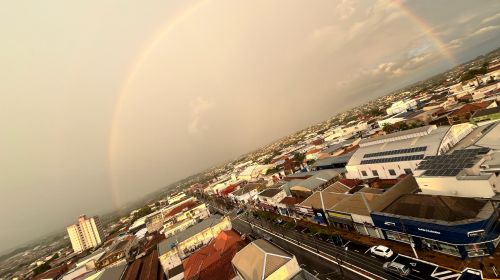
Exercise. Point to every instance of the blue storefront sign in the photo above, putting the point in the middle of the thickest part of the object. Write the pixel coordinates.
(466, 236)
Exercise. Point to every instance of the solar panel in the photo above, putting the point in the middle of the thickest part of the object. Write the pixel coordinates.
(396, 152)
(392, 159)
(450, 164)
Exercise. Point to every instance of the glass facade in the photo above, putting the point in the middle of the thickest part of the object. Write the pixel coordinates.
(441, 247)
(397, 236)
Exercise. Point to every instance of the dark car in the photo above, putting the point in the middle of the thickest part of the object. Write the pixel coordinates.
(397, 268)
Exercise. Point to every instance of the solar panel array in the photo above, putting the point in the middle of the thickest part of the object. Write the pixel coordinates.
(392, 159)
(396, 152)
(451, 164)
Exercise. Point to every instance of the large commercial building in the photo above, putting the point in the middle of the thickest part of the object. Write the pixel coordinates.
(466, 173)
(395, 154)
(85, 234)
(457, 226)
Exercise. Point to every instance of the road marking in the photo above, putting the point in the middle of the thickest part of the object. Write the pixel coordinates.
(441, 273)
(328, 259)
(450, 276)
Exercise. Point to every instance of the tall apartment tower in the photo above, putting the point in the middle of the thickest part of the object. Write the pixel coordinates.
(85, 234)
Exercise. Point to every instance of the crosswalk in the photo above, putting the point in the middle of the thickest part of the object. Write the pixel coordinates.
(444, 274)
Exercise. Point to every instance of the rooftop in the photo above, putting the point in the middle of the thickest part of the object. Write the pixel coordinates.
(290, 200)
(167, 244)
(451, 164)
(445, 208)
(468, 108)
(112, 273)
(337, 187)
(324, 200)
(363, 203)
(423, 141)
(247, 188)
(214, 260)
(318, 178)
(486, 112)
(424, 130)
(270, 192)
(491, 134)
(259, 259)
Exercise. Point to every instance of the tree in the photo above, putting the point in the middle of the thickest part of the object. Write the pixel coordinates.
(299, 157)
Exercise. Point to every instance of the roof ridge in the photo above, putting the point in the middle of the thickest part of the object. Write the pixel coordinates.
(366, 202)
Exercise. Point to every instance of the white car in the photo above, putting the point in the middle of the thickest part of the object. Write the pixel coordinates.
(381, 251)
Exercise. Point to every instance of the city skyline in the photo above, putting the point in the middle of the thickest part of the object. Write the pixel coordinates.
(111, 114)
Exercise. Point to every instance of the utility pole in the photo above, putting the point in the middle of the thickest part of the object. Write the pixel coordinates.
(412, 245)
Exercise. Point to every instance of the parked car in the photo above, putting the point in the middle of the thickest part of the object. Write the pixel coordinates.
(381, 251)
(397, 268)
(268, 238)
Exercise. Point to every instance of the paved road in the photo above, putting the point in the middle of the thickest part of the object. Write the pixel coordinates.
(357, 255)
(365, 264)
(307, 260)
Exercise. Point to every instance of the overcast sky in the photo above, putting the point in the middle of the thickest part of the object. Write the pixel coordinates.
(105, 101)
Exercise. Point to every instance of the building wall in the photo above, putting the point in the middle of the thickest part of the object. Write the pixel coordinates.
(88, 233)
(74, 237)
(201, 238)
(355, 171)
(453, 187)
(273, 200)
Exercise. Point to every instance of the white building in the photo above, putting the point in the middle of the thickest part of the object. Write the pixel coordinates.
(463, 173)
(176, 197)
(391, 155)
(86, 234)
(246, 194)
(271, 196)
(402, 106)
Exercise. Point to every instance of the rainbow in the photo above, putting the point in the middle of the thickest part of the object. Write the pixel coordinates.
(171, 24)
(426, 29)
(142, 57)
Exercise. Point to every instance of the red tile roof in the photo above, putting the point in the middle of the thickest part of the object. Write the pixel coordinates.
(470, 108)
(351, 183)
(190, 204)
(133, 270)
(214, 260)
(145, 268)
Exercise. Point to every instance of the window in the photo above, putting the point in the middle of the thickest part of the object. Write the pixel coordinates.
(375, 173)
(396, 236)
(364, 173)
(476, 250)
(441, 247)
(408, 171)
(392, 172)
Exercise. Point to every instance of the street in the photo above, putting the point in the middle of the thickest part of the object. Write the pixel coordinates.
(322, 258)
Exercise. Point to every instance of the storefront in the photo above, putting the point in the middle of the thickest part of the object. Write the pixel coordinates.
(465, 239)
(340, 220)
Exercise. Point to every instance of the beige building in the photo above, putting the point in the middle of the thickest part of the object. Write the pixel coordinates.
(179, 246)
(261, 260)
(85, 234)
